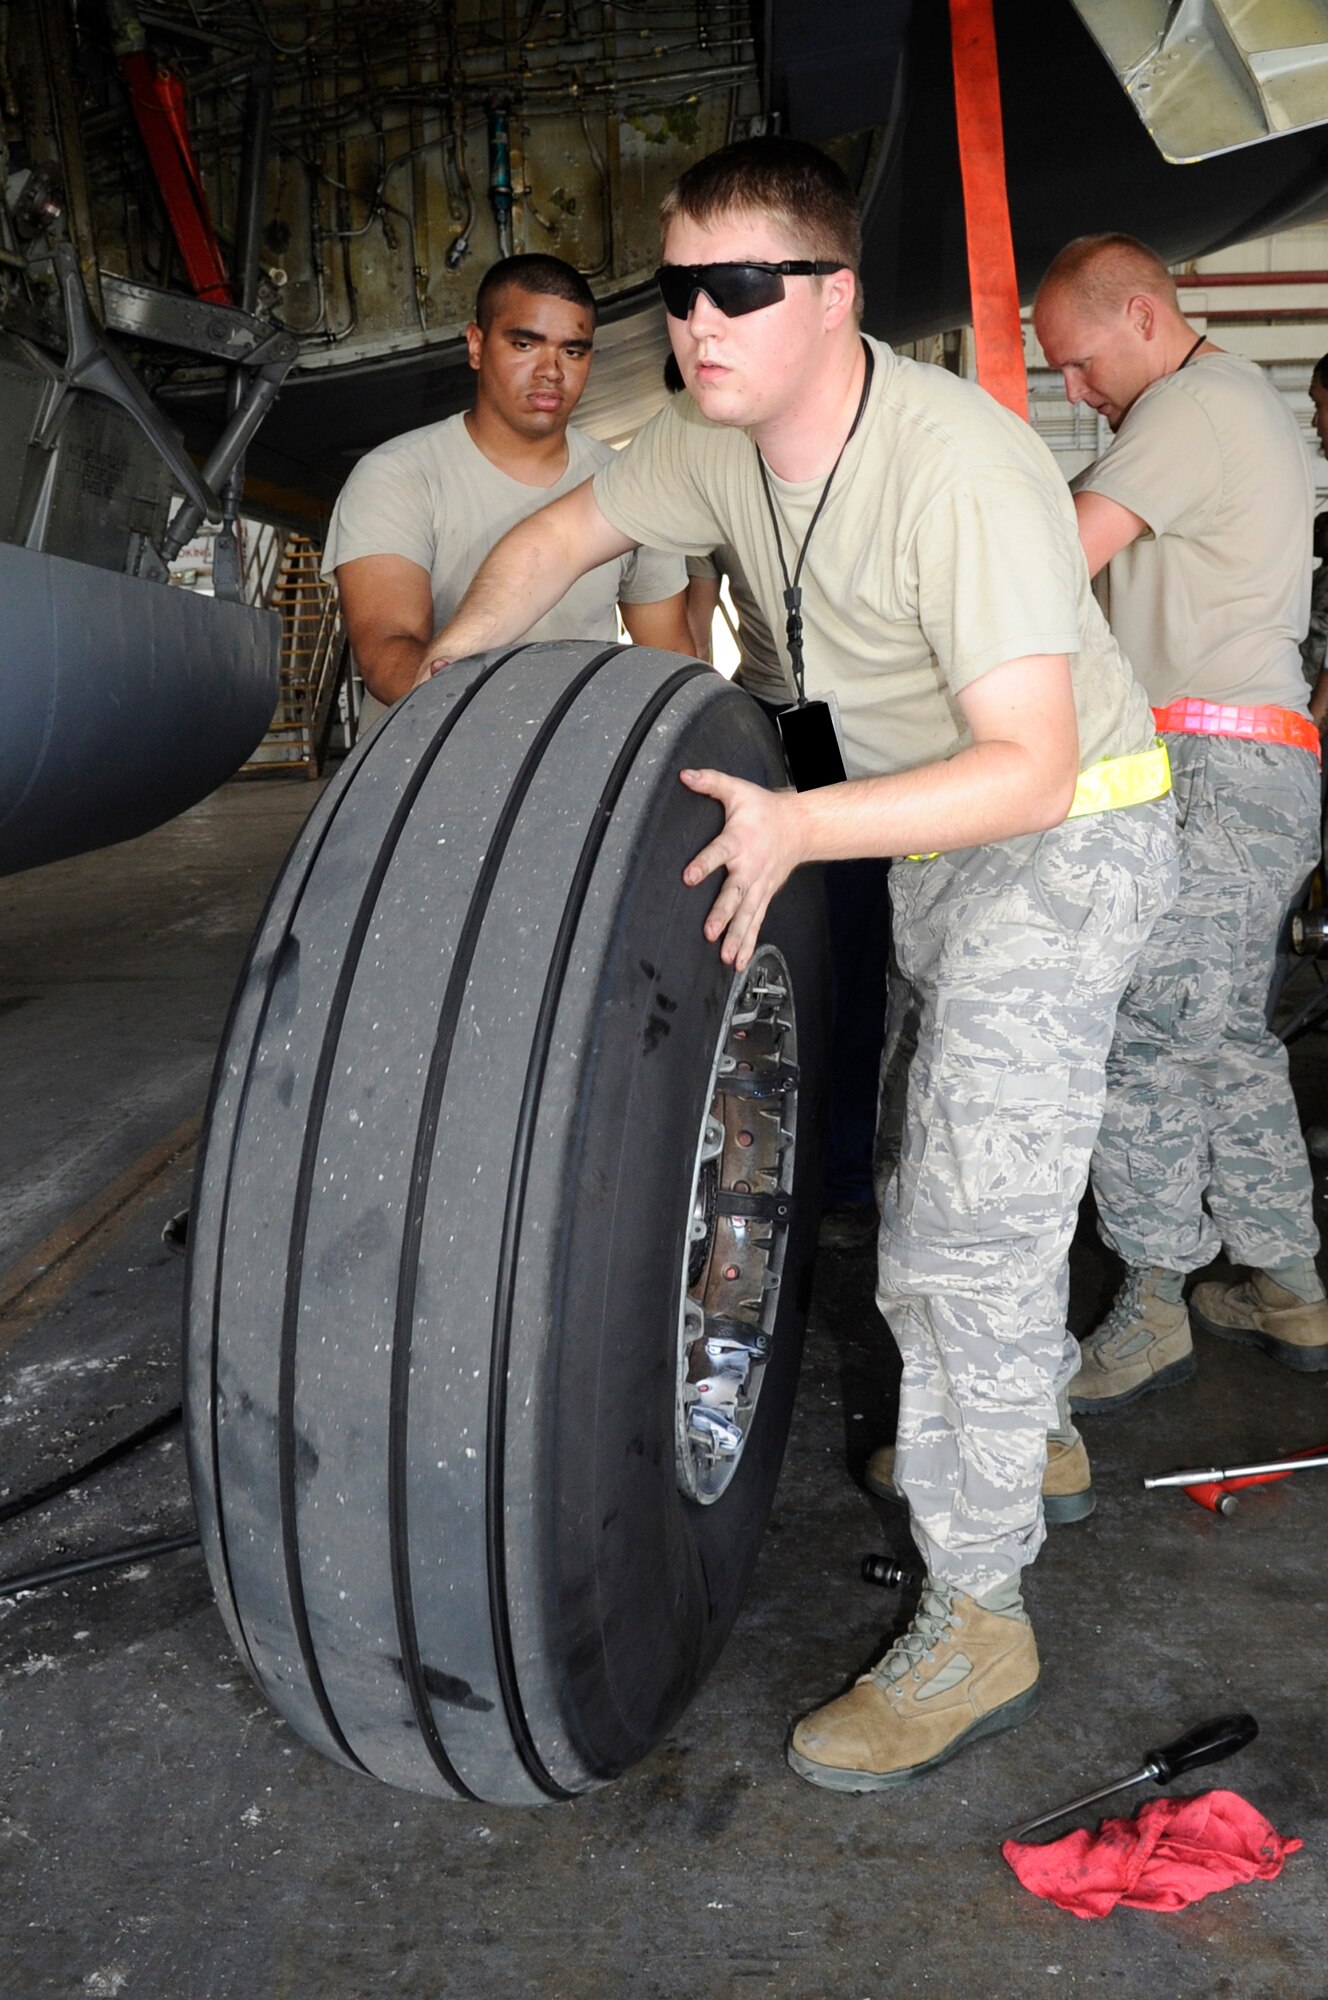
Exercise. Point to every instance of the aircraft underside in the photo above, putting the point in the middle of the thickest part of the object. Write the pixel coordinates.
(239, 250)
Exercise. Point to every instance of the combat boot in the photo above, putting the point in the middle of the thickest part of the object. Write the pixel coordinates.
(1143, 1343)
(1067, 1483)
(960, 1672)
(1263, 1313)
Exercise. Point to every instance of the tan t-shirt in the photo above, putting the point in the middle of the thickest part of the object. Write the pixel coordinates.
(1213, 600)
(761, 671)
(433, 497)
(948, 546)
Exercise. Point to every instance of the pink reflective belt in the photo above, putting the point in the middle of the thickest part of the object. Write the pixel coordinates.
(1192, 717)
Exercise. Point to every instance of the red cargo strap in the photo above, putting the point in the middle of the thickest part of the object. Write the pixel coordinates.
(997, 335)
(158, 101)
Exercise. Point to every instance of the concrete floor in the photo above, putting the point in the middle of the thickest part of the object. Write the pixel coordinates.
(166, 1837)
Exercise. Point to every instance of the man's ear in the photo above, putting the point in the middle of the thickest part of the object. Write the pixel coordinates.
(1142, 315)
(838, 294)
(474, 345)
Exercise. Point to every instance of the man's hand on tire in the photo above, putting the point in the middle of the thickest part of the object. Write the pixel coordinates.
(760, 846)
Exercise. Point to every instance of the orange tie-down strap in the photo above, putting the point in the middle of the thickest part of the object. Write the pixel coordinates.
(994, 287)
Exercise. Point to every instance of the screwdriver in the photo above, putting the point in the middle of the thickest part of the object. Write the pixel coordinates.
(1208, 1744)
(1269, 1468)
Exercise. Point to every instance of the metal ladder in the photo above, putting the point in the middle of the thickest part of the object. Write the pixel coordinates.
(313, 659)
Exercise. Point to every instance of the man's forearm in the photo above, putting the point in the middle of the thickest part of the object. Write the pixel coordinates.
(989, 791)
(391, 667)
(521, 579)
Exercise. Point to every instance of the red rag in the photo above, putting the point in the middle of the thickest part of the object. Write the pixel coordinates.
(1171, 1853)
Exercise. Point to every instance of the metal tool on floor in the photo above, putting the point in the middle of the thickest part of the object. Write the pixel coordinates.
(1210, 1743)
(1215, 1487)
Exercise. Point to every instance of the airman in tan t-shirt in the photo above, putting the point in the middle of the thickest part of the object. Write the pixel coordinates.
(1198, 516)
(946, 605)
(947, 545)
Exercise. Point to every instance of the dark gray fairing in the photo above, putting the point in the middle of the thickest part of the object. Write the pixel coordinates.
(122, 702)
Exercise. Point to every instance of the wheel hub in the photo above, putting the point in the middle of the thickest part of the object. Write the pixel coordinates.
(741, 1207)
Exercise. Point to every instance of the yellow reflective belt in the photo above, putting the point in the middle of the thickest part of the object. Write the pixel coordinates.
(1122, 781)
(1116, 781)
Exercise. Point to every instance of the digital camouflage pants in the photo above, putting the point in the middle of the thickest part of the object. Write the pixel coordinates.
(1200, 1146)
(1011, 960)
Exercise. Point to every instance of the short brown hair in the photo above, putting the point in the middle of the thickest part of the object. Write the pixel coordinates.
(1105, 272)
(536, 273)
(793, 185)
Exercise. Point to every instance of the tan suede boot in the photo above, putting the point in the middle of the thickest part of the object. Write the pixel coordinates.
(1264, 1314)
(960, 1672)
(1067, 1483)
(1143, 1343)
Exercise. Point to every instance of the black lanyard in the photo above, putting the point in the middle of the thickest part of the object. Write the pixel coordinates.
(792, 588)
(1193, 351)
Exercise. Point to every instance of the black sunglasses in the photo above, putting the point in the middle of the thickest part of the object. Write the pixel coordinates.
(733, 289)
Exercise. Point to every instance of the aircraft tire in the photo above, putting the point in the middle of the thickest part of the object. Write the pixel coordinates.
(505, 1211)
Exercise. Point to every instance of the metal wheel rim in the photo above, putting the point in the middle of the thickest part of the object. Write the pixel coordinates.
(739, 1210)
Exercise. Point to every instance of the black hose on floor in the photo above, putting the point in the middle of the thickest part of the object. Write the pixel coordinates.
(65, 1481)
(37, 1579)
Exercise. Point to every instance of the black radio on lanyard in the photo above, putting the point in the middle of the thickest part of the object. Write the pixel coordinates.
(809, 729)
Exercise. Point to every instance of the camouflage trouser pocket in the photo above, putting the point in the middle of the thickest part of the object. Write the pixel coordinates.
(1181, 992)
(995, 1162)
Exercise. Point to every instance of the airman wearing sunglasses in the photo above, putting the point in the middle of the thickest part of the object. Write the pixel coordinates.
(995, 739)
